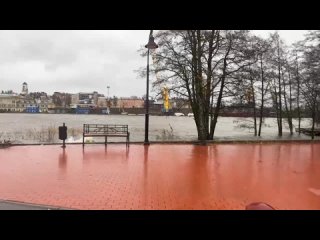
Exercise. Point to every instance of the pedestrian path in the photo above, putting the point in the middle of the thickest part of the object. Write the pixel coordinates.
(162, 176)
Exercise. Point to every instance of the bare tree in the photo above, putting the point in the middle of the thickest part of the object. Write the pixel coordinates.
(278, 63)
(287, 91)
(263, 51)
(311, 75)
(196, 65)
(297, 83)
(251, 79)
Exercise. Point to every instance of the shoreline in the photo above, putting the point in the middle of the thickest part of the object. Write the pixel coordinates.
(207, 142)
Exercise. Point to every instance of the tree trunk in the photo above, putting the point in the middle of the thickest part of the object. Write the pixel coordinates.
(298, 95)
(216, 111)
(275, 100)
(313, 122)
(279, 86)
(262, 97)
(299, 111)
(288, 111)
(290, 105)
(201, 106)
(202, 131)
(254, 108)
(218, 106)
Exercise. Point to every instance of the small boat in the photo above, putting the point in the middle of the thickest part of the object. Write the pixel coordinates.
(190, 115)
(179, 114)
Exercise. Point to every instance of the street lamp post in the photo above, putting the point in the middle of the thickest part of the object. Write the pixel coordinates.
(151, 45)
(108, 101)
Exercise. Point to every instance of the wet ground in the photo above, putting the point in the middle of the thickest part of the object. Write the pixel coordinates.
(163, 176)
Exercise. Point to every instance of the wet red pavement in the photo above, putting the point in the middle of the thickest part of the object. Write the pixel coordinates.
(163, 176)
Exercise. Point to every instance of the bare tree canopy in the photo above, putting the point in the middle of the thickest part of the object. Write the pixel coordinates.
(208, 67)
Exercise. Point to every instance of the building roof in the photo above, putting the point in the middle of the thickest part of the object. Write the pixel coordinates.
(87, 92)
(8, 95)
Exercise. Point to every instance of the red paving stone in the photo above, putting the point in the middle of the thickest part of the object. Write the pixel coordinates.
(163, 176)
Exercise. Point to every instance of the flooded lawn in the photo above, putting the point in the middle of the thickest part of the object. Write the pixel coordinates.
(43, 128)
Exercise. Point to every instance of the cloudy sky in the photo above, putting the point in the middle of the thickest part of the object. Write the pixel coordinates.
(74, 61)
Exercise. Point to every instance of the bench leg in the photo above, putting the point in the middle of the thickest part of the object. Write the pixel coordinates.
(83, 141)
(105, 140)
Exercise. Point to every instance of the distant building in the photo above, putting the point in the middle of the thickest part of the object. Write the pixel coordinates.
(87, 102)
(74, 99)
(88, 98)
(82, 110)
(159, 105)
(180, 103)
(32, 109)
(38, 99)
(24, 102)
(24, 91)
(102, 102)
(11, 103)
(51, 106)
(61, 99)
(129, 103)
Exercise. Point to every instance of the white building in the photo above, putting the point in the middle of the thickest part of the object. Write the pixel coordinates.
(12, 103)
(24, 91)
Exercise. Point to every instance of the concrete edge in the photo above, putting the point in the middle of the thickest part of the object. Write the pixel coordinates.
(218, 141)
(26, 204)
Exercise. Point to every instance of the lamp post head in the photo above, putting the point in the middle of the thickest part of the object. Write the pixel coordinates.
(151, 44)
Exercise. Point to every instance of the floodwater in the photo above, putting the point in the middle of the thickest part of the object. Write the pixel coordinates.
(163, 176)
(43, 128)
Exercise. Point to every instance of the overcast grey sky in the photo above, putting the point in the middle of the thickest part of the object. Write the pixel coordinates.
(80, 61)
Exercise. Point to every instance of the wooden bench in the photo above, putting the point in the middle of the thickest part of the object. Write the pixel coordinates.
(105, 130)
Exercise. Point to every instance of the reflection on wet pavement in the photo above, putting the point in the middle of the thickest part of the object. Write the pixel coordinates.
(163, 176)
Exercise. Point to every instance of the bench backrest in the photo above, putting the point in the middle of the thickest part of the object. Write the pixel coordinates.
(105, 128)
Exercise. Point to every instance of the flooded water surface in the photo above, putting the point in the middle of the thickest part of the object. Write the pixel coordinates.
(43, 128)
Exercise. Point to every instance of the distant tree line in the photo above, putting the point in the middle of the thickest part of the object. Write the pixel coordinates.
(7, 92)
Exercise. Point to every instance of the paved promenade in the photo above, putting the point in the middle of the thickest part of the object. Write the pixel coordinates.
(163, 176)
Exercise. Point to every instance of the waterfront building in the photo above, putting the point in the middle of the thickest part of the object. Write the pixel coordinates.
(11, 103)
